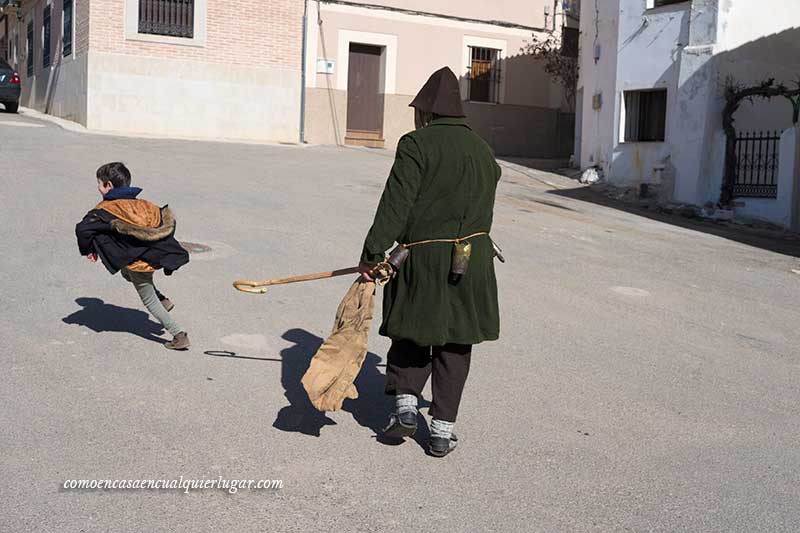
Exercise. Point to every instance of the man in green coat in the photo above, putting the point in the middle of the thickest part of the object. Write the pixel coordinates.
(441, 188)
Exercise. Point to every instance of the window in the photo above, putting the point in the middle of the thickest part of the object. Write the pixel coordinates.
(660, 3)
(66, 40)
(29, 49)
(570, 38)
(173, 18)
(46, 36)
(484, 75)
(645, 116)
(175, 22)
(572, 8)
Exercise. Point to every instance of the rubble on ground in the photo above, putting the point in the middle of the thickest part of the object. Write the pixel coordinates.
(651, 198)
(592, 176)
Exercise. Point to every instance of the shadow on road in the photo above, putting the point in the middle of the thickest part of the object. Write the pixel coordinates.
(234, 355)
(103, 317)
(300, 415)
(369, 410)
(772, 240)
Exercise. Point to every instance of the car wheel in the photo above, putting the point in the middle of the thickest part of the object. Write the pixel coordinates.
(12, 107)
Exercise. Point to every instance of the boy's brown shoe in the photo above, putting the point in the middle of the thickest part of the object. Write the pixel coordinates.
(179, 342)
(168, 305)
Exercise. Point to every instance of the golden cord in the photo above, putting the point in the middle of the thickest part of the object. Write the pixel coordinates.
(457, 241)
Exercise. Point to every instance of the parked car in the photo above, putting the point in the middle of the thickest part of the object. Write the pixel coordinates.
(10, 87)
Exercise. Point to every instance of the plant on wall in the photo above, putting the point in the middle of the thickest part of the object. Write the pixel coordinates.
(558, 62)
(735, 94)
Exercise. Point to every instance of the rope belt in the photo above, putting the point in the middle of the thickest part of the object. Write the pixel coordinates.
(457, 241)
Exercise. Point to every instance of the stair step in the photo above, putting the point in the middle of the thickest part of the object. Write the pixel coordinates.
(368, 139)
(362, 134)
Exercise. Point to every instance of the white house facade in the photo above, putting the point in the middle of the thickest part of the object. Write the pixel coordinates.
(652, 92)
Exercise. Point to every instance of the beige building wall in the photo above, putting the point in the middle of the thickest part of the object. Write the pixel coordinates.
(413, 48)
(237, 78)
(180, 98)
(254, 34)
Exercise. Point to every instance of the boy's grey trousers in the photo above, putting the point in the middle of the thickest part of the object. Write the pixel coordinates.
(151, 298)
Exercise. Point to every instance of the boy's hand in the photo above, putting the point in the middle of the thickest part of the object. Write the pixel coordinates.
(92, 257)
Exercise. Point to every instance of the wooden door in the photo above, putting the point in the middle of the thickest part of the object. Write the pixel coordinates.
(364, 102)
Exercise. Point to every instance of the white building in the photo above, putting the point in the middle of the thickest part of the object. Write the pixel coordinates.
(651, 96)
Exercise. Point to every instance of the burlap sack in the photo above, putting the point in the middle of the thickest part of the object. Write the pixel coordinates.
(329, 379)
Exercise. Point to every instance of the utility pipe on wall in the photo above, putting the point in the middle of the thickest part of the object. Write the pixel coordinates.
(303, 75)
(555, 15)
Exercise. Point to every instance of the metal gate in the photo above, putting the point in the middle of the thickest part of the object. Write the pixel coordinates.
(757, 161)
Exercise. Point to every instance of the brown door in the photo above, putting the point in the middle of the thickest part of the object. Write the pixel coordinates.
(364, 101)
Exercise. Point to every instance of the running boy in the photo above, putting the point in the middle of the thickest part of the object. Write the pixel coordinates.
(137, 238)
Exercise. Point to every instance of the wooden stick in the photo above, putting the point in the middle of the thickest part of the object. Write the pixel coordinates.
(260, 287)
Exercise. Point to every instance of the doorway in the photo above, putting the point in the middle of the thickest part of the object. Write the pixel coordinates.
(364, 96)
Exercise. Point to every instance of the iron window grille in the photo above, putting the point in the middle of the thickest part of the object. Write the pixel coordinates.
(645, 116)
(659, 3)
(29, 50)
(757, 163)
(572, 8)
(570, 38)
(66, 39)
(46, 36)
(484, 75)
(173, 18)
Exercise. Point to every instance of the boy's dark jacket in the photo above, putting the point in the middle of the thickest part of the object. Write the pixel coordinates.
(125, 231)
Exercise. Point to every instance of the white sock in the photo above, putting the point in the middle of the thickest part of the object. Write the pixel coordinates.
(405, 403)
(440, 428)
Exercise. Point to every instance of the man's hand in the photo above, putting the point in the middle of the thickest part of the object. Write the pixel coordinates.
(365, 270)
(92, 257)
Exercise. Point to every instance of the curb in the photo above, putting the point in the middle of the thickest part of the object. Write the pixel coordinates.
(69, 125)
(525, 171)
(60, 122)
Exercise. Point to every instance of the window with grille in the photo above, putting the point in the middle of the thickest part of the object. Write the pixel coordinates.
(645, 116)
(570, 42)
(46, 36)
(659, 3)
(29, 49)
(173, 18)
(66, 39)
(484, 75)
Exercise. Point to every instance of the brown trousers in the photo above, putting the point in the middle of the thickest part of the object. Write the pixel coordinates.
(409, 366)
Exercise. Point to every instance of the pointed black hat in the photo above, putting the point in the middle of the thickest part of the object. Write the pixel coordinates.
(440, 95)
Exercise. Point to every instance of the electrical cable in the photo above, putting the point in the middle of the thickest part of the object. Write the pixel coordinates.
(415, 12)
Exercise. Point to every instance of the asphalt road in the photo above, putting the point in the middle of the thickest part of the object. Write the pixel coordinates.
(647, 378)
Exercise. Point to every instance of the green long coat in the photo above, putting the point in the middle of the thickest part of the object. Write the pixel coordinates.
(442, 186)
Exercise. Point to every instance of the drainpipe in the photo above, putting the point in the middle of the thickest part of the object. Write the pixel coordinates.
(303, 76)
(555, 15)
